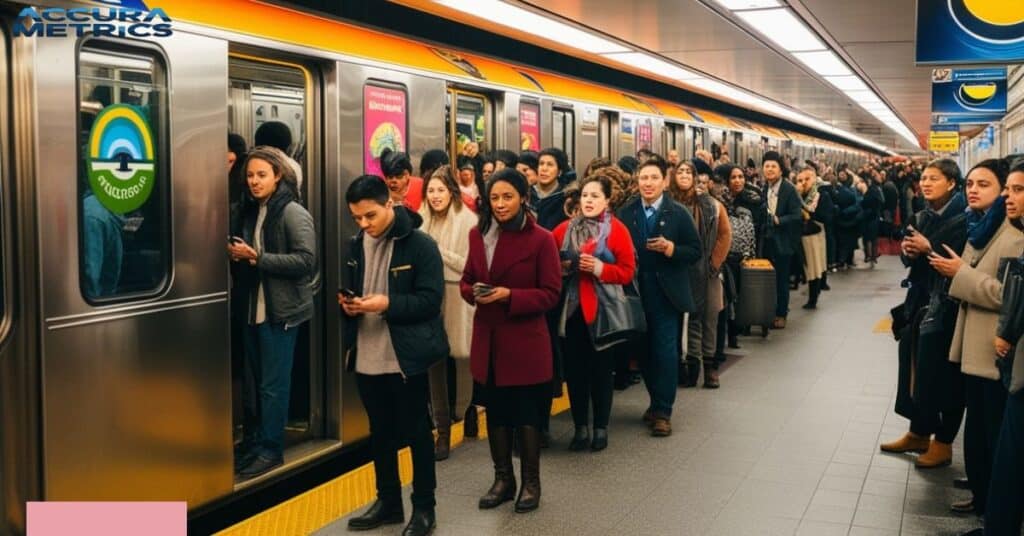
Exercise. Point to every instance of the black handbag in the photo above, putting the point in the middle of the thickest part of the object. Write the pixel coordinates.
(620, 315)
(899, 320)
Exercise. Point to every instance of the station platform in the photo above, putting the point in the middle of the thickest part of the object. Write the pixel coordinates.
(788, 445)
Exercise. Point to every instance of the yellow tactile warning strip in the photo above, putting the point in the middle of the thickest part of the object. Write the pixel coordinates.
(884, 325)
(316, 508)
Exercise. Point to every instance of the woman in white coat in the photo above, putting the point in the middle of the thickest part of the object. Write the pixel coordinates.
(448, 221)
(976, 282)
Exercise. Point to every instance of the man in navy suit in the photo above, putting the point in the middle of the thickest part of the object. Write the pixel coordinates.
(783, 229)
(666, 242)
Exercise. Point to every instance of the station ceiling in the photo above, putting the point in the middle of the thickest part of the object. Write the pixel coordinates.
(875, 37)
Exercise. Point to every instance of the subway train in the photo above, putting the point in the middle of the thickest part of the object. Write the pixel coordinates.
(116, 376)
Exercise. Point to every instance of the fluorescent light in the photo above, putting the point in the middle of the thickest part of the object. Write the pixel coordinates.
(747, 4)
(823, 62)
(653, 65)
(858, 95)
(783, 28)
(527, 21)
(847, 83)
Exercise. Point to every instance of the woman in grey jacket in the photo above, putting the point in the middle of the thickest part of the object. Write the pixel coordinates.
(976, 282)
(277, 251)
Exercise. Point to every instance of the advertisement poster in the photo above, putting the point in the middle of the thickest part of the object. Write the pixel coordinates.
(964, 96)
(626, 126)
(644, 134)
(385, 117)
(529, 126)
(944, 138)
(966, 31)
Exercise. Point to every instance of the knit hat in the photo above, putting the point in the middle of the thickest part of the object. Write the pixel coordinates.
(773, 155)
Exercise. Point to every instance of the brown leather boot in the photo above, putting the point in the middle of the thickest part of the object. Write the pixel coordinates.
(529, 456)
(711, 377)
(443, 445)
(939, 454)
(504, 488)
(910, 442)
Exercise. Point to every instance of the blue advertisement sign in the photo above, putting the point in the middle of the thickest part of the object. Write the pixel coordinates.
(970, 31)
(968, 95)
(966, 119)
(945, 128)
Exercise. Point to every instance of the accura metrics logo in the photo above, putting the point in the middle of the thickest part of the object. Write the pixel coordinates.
(120, 18)
(121, 158)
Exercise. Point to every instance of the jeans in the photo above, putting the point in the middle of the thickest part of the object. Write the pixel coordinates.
(397, 408)
(660, 365)
(269, 350)
(986, 402)
(1005, 508)
(589, 374)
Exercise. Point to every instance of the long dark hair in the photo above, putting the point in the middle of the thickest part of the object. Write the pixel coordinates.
(517, 180)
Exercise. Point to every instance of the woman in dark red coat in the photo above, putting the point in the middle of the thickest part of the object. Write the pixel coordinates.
(513, 276)
(596, 249)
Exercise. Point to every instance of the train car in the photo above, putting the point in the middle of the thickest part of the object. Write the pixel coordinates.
(116, 368)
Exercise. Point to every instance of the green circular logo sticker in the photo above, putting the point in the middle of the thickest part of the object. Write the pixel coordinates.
(121, 160)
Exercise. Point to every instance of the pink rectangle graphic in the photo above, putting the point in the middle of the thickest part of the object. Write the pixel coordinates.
(107, 518)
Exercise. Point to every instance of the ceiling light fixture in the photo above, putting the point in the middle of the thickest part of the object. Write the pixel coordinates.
(653, 65)
(736, 5)
(783, 28)
(823, 62)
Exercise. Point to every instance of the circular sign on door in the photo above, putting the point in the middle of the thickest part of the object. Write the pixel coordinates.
(121, 159)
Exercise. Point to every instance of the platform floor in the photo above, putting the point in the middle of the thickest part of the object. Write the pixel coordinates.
(788, 445)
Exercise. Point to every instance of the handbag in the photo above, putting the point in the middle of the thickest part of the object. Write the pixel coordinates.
(620, 315)
(899, 320)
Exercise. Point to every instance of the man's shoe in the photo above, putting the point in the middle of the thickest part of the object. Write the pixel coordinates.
(939, 454)
(910, 442)
(734, 342)
(779, 323)
(980, 531)
(580, 439)
(648, 418)
(711, 378)
(443, 445)
(421, 523)
(809, 306)
(963, 507)
(662, 427)
(260, 464)
(961, 483)
(243, 457)
(377, 515)
(600, 439)
(622, 382)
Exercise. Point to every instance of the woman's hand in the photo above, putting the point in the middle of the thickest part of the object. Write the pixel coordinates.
(240, 251)
(916, 245)
(946, 267)
(499, 294)
(587, 263)
(1003, 347)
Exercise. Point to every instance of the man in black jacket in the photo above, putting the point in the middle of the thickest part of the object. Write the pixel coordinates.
(396, 284)
(782, 237)
(666, 242)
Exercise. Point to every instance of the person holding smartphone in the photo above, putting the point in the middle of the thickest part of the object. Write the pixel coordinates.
(513, 277)
(667, 245)
(393, 337)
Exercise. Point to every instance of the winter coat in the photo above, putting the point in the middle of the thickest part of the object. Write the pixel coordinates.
(452, 237)
(618, 273)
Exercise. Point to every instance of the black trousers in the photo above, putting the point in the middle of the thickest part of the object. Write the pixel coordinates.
(397, 408)
(588, 373)
(1005, 507)
(986, 402)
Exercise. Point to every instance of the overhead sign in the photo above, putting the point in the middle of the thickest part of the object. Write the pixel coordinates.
(970, 31)
(943, 141)
(962, 96)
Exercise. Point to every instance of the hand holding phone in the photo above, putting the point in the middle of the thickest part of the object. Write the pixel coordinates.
(349, 294)
(235, 240)
(482, 289)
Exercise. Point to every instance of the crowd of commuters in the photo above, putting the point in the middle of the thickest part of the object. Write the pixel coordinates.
(490, 281)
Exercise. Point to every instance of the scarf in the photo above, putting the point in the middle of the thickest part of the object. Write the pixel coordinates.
(583, 230)
(982, 226)
(376, 351)
(495, 229)
(810, 199)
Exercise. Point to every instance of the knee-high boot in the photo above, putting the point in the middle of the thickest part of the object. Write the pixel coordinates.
(529, 456)
(504, 488)
(814, 290)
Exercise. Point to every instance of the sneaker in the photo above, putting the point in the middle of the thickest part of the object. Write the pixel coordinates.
(260, 465)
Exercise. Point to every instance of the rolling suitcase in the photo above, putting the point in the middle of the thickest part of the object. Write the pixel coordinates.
(756, 301)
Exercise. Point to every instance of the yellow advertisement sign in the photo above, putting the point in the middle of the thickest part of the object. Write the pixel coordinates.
(944, 142)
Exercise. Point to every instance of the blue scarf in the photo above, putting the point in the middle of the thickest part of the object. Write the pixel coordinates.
(982, 226)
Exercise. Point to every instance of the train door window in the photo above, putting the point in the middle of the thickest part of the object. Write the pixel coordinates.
(563, 126)
(698, 140)
(123, 179)
(271, 102)
(604, 134)
(468, 120)
(529, 126)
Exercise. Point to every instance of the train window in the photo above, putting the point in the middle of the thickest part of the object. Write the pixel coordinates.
(124, 197)
(467, 119)
(563, 126)
(529, 126)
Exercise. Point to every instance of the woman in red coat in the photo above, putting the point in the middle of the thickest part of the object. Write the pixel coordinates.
(596, 249)
(513, 277)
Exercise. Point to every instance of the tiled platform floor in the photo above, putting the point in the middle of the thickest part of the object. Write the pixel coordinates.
(788, 445)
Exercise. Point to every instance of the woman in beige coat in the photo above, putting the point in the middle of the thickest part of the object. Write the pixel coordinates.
(977, 283)
(448, 222)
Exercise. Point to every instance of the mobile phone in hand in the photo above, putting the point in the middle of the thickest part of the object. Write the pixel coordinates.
(482, 289)
(349, 294)
(234, 240)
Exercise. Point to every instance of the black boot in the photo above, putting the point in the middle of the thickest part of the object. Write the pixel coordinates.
(692, 371)
(504, 488)
(824, 281)
(683, 374)
(443, 445)
(580, 439)
(470, 425)
(529, 493)
(814, 289)
(422, 523)
(379, 513)
(600, 439)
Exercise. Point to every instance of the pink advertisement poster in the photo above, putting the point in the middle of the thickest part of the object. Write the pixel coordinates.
(529, 126)
(385, 117)
(644, 135)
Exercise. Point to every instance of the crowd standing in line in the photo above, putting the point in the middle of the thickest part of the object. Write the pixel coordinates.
(485, 283)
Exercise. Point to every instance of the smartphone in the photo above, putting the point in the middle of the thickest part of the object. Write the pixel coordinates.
(482, 289)
(349, 294)
(234, 240)
(653, 239)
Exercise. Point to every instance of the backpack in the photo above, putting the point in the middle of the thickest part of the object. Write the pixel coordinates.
(744, 239)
